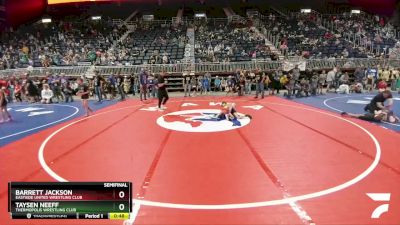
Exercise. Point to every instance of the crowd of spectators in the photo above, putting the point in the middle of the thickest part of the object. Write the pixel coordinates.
(227, 43)
(61, 88)
(296, 83)
(374, 33)
(60, 43)
(155, 44)
(86, 42)
(304, 36)
(57, 88)
(83, 41)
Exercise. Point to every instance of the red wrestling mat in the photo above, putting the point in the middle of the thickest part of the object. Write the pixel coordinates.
(291, 164)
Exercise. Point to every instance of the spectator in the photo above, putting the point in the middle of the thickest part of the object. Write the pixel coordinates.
(205, 84)
(321, 82)
(68, 92)
(359, 75)
(18, 92)
(83, 92)
(152, 86)
(127, 86)
(143, 78)
(276, 81)
(372, 76)
(119, 84)
(398, 83)
(187, 86)
(296, 72)
(385, 75)
(194, 83)
(260, 84)
(32, 90)
(47, 94)
(56, 88)
(343, 89)
(330, 79)
(314, 84)
(133, 84)
(344, 79)
(112, 86)
(97, 84)
(217, 84)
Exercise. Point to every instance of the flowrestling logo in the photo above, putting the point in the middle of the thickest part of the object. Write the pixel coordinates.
(200, 120)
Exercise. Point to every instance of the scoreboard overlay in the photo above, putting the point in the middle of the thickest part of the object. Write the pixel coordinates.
(70, 200)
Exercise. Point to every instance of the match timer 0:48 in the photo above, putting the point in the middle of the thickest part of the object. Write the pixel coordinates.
(70, 200)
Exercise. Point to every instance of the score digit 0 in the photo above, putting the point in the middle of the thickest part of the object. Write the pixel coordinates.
(121, 194)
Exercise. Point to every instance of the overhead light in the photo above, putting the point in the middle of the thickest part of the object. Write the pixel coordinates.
(355, 11)
(305, 10)
(46, 20)
(96, 17)
(148, 17)
(199, 15)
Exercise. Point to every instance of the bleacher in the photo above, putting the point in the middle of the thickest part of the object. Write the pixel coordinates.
(149, 45)
(302, 34)
(80, 41)
(227, 43)
(373, 34)
(59, 43)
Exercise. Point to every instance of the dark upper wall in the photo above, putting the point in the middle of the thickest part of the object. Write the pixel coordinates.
(384, 7)
(23, 11)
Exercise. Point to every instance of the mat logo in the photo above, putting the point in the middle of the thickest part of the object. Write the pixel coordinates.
(199, 120)
(379, 197)
(34, 111)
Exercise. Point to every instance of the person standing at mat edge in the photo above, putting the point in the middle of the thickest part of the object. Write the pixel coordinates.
(97, 83)
(84, 93)
(162, 92)
(143, 81)
(4, 114)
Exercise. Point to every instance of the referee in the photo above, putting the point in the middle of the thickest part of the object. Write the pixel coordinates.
(162, 92)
